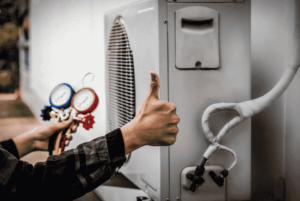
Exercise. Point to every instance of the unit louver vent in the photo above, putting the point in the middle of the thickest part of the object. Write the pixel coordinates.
(120, 77)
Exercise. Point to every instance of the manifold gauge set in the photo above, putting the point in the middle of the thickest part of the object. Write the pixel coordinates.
(65, 102)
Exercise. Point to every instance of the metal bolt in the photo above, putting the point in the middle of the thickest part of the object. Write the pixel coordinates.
(198, 64)
(165, 21)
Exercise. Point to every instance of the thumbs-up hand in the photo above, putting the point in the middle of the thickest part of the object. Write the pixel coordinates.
(155, 123)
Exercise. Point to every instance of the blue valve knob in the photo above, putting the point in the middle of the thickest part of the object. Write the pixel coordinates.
(46, 113)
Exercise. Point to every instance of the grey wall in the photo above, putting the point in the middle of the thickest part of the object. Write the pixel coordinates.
(275, 130)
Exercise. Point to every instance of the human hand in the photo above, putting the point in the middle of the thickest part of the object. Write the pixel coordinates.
(38, 139)
(43, 133)
(155, 123)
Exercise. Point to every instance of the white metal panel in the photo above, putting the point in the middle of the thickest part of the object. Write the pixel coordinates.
(205, 1)
(141, 21)
(194, 90)
(109, 193)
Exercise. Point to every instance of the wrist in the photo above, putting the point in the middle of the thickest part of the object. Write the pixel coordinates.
(130, 133)
(25, 143)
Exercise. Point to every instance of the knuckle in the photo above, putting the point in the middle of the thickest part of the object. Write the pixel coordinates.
(164, 103)
(174, 129)
(176, 120)
(172, 140)
(172, 106)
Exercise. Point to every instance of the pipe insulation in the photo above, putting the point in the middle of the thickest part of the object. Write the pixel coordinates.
(249, 108)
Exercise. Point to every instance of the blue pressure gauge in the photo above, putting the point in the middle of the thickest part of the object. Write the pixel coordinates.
(61, 96)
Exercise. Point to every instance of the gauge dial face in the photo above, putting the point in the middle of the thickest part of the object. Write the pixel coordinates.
(61, 95)
(83, 100)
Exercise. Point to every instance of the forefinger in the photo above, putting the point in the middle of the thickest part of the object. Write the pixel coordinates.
(74, 127)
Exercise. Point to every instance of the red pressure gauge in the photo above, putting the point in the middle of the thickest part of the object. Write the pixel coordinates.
(85, 101)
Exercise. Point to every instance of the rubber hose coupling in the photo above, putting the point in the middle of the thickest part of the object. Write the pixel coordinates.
(219, 179)
(196, 178)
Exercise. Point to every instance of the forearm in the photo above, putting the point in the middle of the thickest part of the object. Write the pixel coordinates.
(65, 176)
(25, 143)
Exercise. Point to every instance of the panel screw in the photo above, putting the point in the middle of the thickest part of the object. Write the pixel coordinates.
(165, 21)
(198, 64)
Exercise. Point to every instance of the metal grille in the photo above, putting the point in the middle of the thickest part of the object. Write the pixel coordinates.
(120, 77)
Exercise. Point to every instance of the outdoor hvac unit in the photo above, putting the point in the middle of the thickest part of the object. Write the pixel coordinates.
(201, 52)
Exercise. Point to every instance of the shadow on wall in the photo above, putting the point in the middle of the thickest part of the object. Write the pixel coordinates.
(275, 131)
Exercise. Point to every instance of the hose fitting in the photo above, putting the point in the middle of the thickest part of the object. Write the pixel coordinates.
(197, 177)
(219, 179)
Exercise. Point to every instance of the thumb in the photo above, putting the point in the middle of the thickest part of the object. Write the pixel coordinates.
(154, 86)
(153, 91)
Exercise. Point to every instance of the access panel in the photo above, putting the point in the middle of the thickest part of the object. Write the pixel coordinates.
(197, 38)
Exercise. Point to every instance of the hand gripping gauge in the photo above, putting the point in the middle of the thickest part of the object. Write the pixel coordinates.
(60, 99)
(84, 102)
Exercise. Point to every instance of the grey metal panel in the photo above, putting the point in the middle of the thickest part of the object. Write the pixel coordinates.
(162, 53)
(206, 1)
(193, 91)
(197, 38)
(141, 20)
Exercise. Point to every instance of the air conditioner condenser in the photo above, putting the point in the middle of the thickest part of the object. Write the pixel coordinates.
(201, 52)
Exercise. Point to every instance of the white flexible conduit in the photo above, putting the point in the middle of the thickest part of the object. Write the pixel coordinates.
(249, 108)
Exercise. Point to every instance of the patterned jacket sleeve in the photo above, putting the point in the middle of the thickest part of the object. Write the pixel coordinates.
(62, 177)
(10, 146)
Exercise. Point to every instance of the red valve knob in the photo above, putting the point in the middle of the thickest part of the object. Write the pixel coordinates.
(88, 122)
